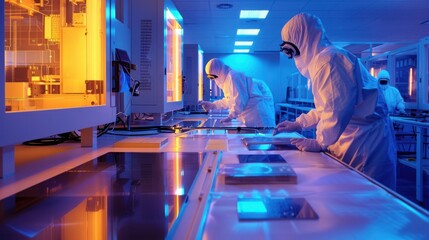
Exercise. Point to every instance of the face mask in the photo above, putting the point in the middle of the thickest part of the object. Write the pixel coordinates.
(384, 84)
(220, 82)
(302, 67)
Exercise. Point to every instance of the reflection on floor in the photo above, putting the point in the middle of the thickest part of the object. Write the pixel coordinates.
(115, 196)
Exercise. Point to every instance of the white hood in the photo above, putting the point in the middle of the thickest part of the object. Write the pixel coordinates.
(216, 67)
(307, 33)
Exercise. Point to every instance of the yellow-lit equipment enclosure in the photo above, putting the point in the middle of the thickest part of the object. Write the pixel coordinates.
(157, 50)
(55, 54)
(193, 76)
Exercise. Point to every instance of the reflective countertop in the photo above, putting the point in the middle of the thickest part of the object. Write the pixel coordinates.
(118, 195)
(175, 192)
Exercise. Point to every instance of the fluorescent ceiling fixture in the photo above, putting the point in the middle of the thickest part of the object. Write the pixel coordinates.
(241, 50)
(253, 13)
(247, 31)
(243, 43)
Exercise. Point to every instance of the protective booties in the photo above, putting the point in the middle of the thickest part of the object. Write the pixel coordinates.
(207, 105)
(306, 145)
(287, 126)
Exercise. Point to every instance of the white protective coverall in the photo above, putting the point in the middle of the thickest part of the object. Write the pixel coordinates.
(394, 100)
(249, 100)
(350, 114)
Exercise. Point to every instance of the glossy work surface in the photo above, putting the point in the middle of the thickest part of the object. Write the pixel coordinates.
(344, 205)
(115, 196)
(136, 193)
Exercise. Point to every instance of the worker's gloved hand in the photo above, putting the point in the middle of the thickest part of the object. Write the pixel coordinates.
(226, 120)
(207, 105)
(287, 126)
(306, 145)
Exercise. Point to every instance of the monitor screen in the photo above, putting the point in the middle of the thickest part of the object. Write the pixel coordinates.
(122, 55)
(121, 74)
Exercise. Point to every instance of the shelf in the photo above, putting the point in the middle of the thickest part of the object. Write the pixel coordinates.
(290, 112)
(412, 164)
(304, 100)
(294, 106)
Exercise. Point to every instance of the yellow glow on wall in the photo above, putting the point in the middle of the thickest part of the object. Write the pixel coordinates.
(174, 58)
(372, 72)
(177, 61)
(95, 47)
(410, 82)
(200, 76)
(94, 51)
(179, 45)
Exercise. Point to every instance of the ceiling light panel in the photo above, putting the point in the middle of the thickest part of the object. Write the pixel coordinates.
(247, 31)
(261, 14)
(241, 50)
(243, 43)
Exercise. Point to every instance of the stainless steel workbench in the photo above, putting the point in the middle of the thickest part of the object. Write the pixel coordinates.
(349, 204)
(181, 196)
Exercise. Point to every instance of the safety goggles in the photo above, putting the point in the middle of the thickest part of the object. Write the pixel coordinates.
(211, 76)
(289, 49)
(383, 81)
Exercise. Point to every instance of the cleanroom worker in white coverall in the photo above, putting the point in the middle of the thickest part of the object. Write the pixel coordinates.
(350, 115)
(248, 99)
(394, 100)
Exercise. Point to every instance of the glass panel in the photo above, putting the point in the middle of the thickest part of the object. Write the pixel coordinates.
(427, 68)
(375, 66)
(54, 54)
(115, 196)
(405, 76)
(174, 59)
(200, 75)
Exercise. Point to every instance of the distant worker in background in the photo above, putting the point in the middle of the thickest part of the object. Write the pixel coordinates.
(394, 100)
(248, 99)
(350, 115)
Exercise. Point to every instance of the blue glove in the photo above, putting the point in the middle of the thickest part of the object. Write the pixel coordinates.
(207, 105)
(306, 145)
(226, 120)
(287, 126)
